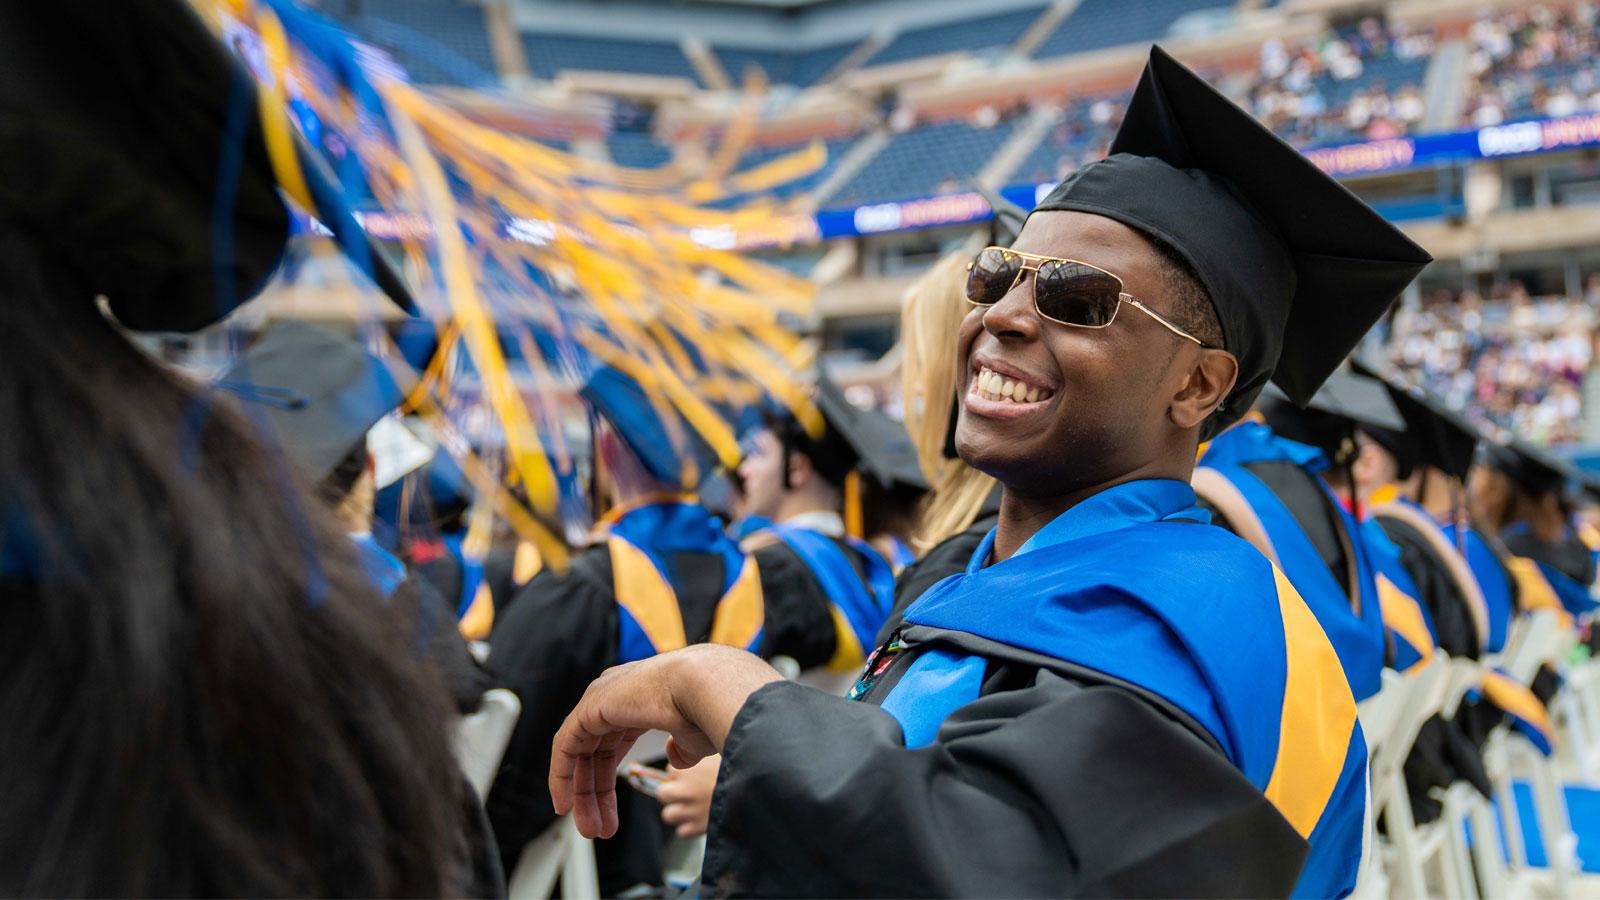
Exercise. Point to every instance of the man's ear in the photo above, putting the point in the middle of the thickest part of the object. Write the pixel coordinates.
(1210, 379)
(801, 471)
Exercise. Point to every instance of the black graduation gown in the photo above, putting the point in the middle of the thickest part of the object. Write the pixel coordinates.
(562, 631)
(1437, 589)
(1053, 783)
(1569, 556)
(798, 621)
(1314, 511)
(433, 621)
(946, 558)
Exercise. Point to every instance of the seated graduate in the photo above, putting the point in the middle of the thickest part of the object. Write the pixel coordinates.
(829, 589)
(445, 538)
(1114, 698)
(1273, 477)
(199, 697)
(660, 574)
(317, 394)
(1412, 483)
(1520, 493)
(1408, 482)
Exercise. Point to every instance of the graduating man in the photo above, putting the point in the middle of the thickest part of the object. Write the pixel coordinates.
(1408, 483)
(660, 574)
(1275, 478)
(1114, 698)
(814, 558)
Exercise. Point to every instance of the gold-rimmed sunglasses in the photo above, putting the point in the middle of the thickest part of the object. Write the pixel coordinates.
(1065, 291)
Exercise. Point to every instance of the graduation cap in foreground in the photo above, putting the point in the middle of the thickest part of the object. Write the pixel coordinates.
(673, 452)
(1435, 434)
(131, 140)
(1535, 471)
(319, 392)
(1297, 267)
(1345, 402)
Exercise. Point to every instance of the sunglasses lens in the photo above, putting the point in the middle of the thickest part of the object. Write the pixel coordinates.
(1076, 294)
(991, 276)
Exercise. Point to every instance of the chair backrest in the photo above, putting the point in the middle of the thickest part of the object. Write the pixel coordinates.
(1536, 639)
(560, 852)
(481, 738)
(1381, 712)
(1465, 674)
(1214, 488)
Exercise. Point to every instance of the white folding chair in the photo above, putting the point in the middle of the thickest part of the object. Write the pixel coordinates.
(560, 852)
(481, 738)
(1380, 716)
(1405, 855)
(1537, 638)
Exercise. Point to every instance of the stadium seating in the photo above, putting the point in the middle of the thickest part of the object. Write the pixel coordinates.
(802, 68)
(1097, 24)
(933, 158)
(762, 155)
(800, 261)
(437, 41)
(974, 35)
(1081, 136)
(549, 54)
(637, 149)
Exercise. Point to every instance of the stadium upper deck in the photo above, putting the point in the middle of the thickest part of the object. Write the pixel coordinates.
(1020, 94)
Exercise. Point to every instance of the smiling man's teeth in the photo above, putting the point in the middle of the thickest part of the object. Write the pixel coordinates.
(992, 385)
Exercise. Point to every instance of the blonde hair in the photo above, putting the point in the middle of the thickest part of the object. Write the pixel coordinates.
(930, 374)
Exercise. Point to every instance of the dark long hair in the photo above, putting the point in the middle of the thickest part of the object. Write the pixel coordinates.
(202, 694)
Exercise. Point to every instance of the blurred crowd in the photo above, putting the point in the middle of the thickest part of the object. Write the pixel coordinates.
(1362, 82)
(1511, 360)
(1534, 61)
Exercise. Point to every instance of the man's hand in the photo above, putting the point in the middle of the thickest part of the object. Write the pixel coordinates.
(686, 797)
(693, 694)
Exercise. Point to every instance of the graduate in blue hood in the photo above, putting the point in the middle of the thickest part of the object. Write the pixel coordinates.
(1522, 492)
(811, 491)
(1115, 698)
(1272, 479)
(1412, 486)
(1410, 482)
(659, 574)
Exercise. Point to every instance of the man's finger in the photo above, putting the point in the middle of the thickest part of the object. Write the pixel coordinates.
(571, 742)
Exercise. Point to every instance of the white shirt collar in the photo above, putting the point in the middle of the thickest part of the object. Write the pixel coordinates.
(819, 520)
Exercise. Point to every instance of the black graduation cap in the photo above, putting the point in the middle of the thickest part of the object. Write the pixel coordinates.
(318, 391)
(661, 446)
(132, 140)
(1435, 434)
(879, 445)
(1345, 402)
(1298, 268)
(1588, 486)
(1532, 469)
(1008, 217)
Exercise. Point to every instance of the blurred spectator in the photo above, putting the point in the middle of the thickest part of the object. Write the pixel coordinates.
(1534, 61)
(1514, 362)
